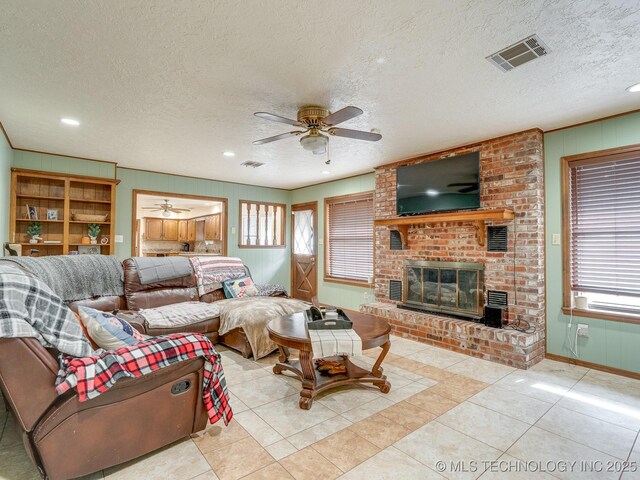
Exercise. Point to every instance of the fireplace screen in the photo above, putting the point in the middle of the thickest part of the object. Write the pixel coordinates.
(452, 287)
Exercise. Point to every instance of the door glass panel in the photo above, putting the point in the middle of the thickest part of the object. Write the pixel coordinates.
(448, 292)
(431, 286)
(303, 232)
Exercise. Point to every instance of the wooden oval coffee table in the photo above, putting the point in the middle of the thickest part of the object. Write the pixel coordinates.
(291, 332)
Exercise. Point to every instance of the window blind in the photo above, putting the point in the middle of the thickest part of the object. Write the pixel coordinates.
(605, 226)
(350, 238)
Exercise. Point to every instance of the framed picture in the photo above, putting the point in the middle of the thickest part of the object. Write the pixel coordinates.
(88, 249)
(32, 212)
(52, 214)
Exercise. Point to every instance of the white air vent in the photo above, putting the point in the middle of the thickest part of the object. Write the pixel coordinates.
(252, 164)
(519, 53)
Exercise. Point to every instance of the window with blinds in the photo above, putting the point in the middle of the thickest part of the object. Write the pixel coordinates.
(261, 224)
(349, 238)
(604, 229)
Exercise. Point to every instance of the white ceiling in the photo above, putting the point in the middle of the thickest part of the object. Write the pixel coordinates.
(169, 86)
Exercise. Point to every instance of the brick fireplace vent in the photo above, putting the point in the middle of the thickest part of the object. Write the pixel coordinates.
(519, 53)
(395, 240)
(395, 290)
(496, 298)
(497, 238)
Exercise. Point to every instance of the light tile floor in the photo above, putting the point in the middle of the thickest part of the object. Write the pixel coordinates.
(481, 419)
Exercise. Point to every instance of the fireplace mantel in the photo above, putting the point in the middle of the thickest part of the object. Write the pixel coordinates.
(477, 217)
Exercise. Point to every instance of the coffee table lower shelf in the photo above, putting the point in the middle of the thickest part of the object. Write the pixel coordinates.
(314, 383)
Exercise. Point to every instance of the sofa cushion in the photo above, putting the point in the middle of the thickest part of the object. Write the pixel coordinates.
(239, 287)
(108, 331)
(180, 314)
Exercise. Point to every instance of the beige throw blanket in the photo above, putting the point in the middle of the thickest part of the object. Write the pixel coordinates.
(253, 314)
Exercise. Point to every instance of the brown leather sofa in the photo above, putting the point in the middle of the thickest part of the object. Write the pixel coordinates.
(139, 296)
(66, 438)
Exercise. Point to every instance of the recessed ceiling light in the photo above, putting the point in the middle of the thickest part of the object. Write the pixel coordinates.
(432, 193)
(228, 154)
(326, 172)
(380, 60)
(634, 88)
(70, 121)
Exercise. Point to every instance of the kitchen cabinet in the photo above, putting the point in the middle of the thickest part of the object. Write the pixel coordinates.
(191, 230)
(183, 235)
(158, 229)
(153, 229)
(212, 227)
(200, 229)
(170, 230)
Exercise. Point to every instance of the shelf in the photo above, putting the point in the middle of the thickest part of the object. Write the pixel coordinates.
(477, 217)
(38, 220)
(86, 200)
(89, 244)
(39, 197)
(43, 244)
(88, 222)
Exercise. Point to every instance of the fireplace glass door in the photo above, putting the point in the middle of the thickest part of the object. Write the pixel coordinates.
(452, 287)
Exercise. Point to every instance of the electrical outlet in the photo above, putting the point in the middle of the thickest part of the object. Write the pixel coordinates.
(118, 238)
(555, 239)
(583, 330)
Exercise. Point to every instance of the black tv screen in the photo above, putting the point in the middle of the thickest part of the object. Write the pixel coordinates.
(447, 184)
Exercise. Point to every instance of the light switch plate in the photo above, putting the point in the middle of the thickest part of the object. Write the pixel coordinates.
(555, 239)
(233, 230)
(118, 238)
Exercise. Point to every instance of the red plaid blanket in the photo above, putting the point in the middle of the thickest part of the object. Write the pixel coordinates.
(94, 375)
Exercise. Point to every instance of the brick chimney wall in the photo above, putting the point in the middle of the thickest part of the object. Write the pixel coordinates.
(511, 176)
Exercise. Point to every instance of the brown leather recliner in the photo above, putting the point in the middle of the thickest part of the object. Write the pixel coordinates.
(67, 438)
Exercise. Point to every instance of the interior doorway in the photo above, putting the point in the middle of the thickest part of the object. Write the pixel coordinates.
(304, 250)
(168, 224)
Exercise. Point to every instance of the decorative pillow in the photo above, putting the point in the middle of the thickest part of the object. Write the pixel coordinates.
(107, 330)
(239, 287)
(94, 345)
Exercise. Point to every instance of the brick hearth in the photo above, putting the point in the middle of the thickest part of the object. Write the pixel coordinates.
(511, 176)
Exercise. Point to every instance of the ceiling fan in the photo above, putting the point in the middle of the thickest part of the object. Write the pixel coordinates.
(166, 208)
(318, 123)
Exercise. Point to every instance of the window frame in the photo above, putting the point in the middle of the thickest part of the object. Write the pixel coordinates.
(283, 227)
(369, 194)
(601, 156)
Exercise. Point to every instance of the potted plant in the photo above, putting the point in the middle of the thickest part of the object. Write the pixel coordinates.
(94, 231)
(34, 229)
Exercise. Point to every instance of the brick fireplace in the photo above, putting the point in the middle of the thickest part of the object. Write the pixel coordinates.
(511, 177)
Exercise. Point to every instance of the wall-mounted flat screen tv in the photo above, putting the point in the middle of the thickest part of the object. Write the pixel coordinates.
(451, 183)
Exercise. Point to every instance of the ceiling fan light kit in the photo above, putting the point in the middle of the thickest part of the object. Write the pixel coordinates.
(318, 124)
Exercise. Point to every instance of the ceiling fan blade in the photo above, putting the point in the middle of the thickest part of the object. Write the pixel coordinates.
(180, 210)
(357, 134)
(152, 209)
(347, 113)
(468, 189)
(278, 137)
(278, 118)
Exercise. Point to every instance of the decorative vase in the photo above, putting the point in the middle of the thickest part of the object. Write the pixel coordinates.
(33, 240)
(94, 240)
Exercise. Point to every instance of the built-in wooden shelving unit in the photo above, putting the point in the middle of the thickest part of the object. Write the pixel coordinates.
(476, 217)
(67, 195)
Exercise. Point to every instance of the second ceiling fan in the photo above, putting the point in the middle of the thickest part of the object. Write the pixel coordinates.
(318, 123)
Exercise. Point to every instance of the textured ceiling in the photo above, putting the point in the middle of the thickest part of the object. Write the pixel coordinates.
(168, 86)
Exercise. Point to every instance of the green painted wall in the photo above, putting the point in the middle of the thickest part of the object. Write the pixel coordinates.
(268, 265)
(334, 293)
(6, 160)
(55, 163)
(613, 344)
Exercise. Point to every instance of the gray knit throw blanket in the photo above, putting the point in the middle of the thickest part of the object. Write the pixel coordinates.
(76, 277)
